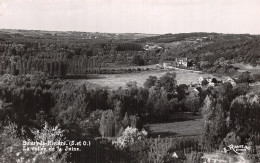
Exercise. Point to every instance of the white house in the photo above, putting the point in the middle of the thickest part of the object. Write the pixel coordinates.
(169, 64)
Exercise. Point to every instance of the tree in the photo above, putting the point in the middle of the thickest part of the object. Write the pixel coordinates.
(126, 121)
(204, 82)
(244, 77)
(138, 60)
(158, 104)
(244, 115)
(150, 81)
(168, 81)
(107, 125)
(192, 103)
(61, 69)
(208, 115)
(181, 90)
(214, 80)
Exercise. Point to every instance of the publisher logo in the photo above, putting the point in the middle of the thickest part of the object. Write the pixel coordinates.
(238, 149)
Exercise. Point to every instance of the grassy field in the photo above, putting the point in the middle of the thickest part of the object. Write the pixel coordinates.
(246, 67)
(192, 126)
(114, 81)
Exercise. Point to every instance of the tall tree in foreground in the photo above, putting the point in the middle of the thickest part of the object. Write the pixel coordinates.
(244, 115)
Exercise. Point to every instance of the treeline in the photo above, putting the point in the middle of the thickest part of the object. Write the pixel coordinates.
(129, 47)
(54, 65)
(59, 59)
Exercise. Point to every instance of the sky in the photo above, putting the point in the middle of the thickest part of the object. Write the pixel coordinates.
(132, 16)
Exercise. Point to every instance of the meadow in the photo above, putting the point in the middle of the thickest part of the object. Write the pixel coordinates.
(188, 126)
(114, 81)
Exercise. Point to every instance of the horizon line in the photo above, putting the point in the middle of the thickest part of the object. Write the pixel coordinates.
(46, 30)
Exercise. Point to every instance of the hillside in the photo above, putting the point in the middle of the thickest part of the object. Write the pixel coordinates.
(61, 53)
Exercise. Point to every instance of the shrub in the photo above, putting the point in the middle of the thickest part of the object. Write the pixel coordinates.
(129, 137)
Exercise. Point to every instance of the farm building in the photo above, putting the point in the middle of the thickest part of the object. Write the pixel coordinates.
(152, 47)
(178, 62)
(182, 62)
(179, 155)
(169, 64)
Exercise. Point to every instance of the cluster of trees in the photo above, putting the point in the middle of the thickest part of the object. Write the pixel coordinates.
(55, 64)
(230, 110)
(70, 105)
(128, 58)
(84, 111)
(59, 59)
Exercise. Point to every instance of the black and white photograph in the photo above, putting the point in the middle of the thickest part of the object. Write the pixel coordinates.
(129, 81)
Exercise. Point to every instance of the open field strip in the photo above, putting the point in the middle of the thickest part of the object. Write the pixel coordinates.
(114, 81)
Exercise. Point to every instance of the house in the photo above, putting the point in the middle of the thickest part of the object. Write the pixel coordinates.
(211, 84)
(169, 64)
(179, 155)
(152, 47)
(178, 62)
(182, 62)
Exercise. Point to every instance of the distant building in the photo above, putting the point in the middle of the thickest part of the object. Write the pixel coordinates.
(182, 62)
(176, 62)
(211, 84)
(152, 47)
(169, 64)
(179, 155)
